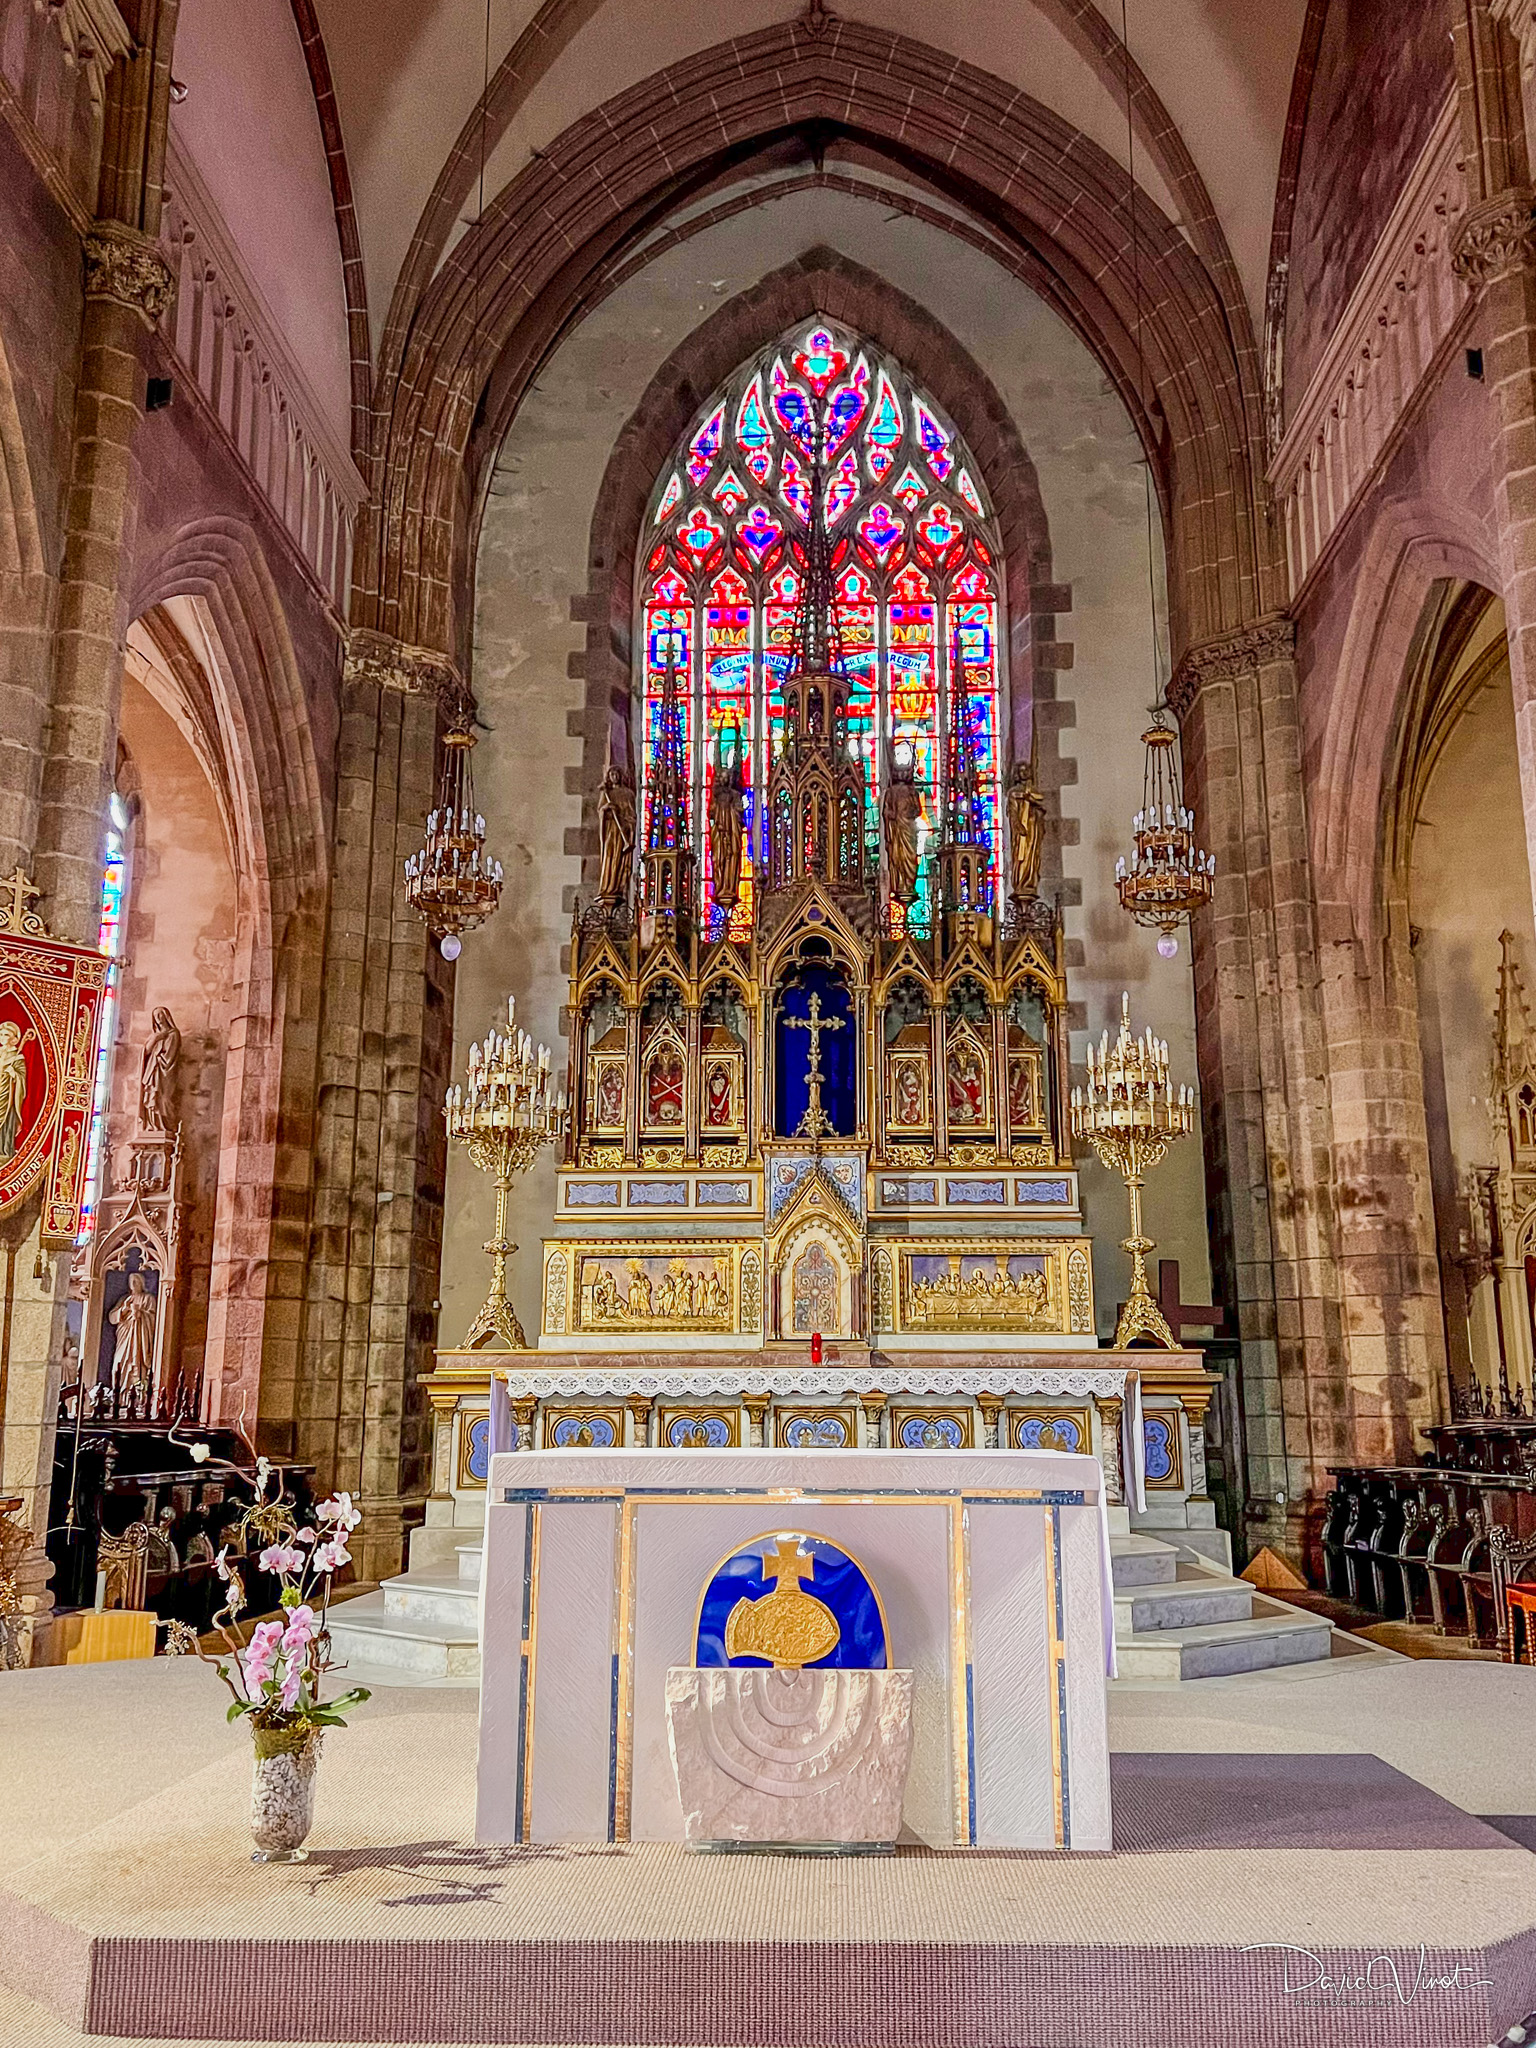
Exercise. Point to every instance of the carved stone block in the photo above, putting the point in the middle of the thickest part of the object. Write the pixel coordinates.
(790, 1756)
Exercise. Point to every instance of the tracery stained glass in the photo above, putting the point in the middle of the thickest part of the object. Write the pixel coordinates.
(114, 886)
(914, 568)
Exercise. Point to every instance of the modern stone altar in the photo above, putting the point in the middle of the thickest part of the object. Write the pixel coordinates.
(991, 1570)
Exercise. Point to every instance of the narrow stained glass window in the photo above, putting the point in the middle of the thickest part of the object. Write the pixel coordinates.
(914, 555)
(114, 887)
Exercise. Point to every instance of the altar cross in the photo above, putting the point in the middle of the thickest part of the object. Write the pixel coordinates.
(815, 1123)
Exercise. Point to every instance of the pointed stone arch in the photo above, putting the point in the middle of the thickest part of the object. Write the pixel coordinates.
(267, 757)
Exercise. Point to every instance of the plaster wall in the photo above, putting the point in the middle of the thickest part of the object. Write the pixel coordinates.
(533, 558)
(1383, 74)
(261, 155)
(1469, 880)
(180, 955)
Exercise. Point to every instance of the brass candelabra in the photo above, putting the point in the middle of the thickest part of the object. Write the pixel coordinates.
(1130, 1115)
(504, 1114)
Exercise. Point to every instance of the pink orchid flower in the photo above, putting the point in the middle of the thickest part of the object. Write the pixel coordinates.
(332, 1555)
(281, 1557)
(299, 1632)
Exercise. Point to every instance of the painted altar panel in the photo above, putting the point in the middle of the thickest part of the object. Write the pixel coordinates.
(643, 1288)
(1030, 1286)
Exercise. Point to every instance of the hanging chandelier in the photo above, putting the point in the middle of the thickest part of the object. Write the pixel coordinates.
(1168, 875)
(452, 883)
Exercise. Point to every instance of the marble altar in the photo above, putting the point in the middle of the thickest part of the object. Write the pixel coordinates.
(992, 1574)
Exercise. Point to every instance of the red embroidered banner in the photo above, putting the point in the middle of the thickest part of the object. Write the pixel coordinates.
(50, 1014)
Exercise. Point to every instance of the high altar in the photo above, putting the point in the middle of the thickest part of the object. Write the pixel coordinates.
(818, 1187)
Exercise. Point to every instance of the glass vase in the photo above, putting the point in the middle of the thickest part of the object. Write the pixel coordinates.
(283, 1792)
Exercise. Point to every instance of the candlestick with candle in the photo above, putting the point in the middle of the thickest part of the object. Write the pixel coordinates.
(1130, 1115)
(503, 1115)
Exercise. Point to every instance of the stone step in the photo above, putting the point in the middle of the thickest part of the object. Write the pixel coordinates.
(365, 1631)
(1274, 1635)
(1191, 1600)
(1141, 1561)
(469, 1556)
(434, 1597)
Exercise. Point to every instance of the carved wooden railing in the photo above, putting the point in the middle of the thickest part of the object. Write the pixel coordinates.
(1400, 320)
(232, 348)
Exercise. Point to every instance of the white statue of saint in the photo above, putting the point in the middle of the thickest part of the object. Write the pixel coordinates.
(133, 1355)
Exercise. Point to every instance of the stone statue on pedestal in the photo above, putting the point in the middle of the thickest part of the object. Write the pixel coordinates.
(616, 835)
(157, 1076)
(1026, 832)
(727, 805)
(900, 814)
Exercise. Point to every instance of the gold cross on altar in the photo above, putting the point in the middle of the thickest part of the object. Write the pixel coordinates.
(815, 1123)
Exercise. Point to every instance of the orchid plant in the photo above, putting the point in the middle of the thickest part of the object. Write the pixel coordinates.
(276, 1676)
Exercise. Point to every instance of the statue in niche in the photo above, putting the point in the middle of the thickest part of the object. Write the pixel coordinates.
(727, 810)
(664, 1089)
(717, 1096)
(1026, 831)
(157, 1075)
(967, 1103)
(901, 813)
(610, 1098)
(13, 1085)
(616, 834)
(133, 1355)
(908, 1093)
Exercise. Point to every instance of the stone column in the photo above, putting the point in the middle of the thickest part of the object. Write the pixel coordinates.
(873, 1404)
(757, 1406)
(991, 1406)
(380, 1150)
(1111, 1462)
(1265, 1108)
(1494, 250)
(640, 1406)
(127, 287)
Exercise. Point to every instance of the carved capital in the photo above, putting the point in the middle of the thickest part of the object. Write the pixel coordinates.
(1233, 655)
(127, 267)
(1495, 237)
(377, 661)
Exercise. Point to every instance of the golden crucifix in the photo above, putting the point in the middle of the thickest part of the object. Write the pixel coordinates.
(815, 1123)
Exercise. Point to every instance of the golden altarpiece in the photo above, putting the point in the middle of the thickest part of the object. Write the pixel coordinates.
(818, 1186)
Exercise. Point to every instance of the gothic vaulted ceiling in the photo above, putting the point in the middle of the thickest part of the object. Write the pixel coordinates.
(1212, 91)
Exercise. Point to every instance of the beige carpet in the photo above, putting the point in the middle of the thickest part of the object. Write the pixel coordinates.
(125, 1801)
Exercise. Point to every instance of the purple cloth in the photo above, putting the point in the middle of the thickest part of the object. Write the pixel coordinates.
(502, 1435)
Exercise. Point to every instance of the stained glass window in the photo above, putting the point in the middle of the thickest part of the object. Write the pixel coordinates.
(914, 561)
(114, 886)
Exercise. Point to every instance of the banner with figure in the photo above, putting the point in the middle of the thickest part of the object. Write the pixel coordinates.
(50, 1014)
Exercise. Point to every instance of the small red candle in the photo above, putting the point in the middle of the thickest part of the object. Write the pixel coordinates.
(815, 1347)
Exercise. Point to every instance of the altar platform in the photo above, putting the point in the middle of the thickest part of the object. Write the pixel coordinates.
(131, 1911)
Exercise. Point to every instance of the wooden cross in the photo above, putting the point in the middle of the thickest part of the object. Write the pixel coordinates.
(1185, 1315)
(815, 1123)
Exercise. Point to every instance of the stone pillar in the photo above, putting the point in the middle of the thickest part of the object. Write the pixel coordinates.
(1111, 1408)
(127, 287)
(1494, 249)
(640, 1406)
(873, 1404)
(523, 1412)
(380, 1154)
(757, 1406)
(1265, 1108)
(991, 1406)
